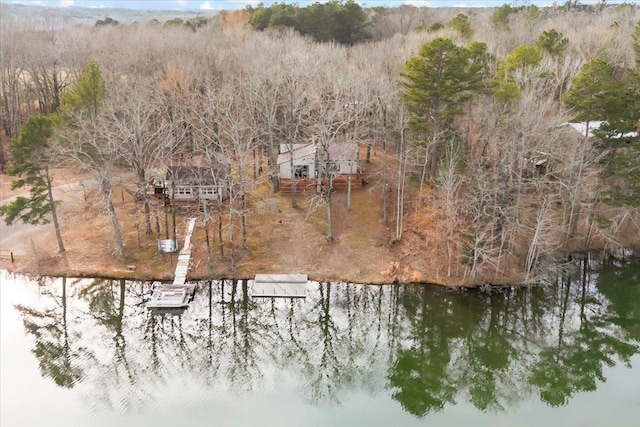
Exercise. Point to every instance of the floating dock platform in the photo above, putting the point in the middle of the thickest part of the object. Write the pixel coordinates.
(164, 296)
(280, 286)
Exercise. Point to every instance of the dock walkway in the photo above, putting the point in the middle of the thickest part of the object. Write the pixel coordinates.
(179, 294)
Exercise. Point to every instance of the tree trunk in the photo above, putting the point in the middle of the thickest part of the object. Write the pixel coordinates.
(294, 202)
(349, 193)
(173, 210)
(147, 215)
(205, 224)
(166, 215)
(273, 163)
(142, 188)
(329, 223)
(220, 233)
(534, 247)
(106, 191)
(400, 185)
(231, 244)
(54, 213)
(255, 164)
(575, 187)
(244, 221)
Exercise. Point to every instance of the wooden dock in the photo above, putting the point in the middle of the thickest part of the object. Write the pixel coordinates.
(279, 286)
(179, 294)
(184, 256)
(165, 296)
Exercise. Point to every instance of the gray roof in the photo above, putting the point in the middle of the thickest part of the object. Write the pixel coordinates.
(344, 151)
(297, 153)
(192, 174)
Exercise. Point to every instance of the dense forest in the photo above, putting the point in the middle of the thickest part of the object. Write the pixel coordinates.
(470, 106)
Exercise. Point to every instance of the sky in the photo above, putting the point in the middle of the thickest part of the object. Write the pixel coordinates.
(239, 4)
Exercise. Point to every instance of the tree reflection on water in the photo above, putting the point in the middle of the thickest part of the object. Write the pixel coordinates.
(427, 347)
(56, 349)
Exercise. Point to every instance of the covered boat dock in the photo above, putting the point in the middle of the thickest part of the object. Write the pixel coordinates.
(279, 286)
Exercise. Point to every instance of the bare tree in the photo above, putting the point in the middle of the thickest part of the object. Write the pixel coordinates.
(135, 113)
(265, 95)
(91, 146)
(295, 120)
(448, 183)
(402, 120)
(12, 91)
(86, 137)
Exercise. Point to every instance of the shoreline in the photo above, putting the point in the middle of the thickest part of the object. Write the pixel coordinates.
(132, 275)
(280, 240)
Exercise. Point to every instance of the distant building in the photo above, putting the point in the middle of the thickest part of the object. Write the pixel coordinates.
(185, 184)
(195, 183)
(581, 128)
(305, 166)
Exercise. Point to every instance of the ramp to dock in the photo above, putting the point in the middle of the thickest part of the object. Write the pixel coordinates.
(180, 277)
(279, 286)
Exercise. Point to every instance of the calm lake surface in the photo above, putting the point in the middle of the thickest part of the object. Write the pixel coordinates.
(87, 353)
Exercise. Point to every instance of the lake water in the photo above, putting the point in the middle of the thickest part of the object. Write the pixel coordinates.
(87, 353)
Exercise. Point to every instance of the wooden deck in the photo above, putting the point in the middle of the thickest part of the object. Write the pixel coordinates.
(303, 185)
(279, 286)
(306, 185)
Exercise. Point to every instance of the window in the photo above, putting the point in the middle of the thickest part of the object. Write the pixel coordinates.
(208, 191)
(333, 167)
(186, 191)
(301, 171)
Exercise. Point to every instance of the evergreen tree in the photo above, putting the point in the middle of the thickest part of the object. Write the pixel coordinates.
(462, 25)
(351, 23)
(593, 92)
(597, 95)
(342, 22)
(521, 58)
(501, 15)
(437, 83)
(552, 42)
(31, 159)
(87, 94)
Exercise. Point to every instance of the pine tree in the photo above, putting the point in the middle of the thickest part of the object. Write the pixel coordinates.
(31, 159)
(597, 95)
(437, 82)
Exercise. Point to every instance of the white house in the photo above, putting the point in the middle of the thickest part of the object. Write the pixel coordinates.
(302, 165)
(581, 128)
(305, 162)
